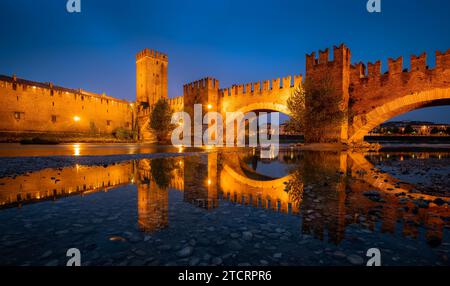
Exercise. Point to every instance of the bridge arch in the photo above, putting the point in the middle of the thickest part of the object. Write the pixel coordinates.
(363, 124)
(265, 106)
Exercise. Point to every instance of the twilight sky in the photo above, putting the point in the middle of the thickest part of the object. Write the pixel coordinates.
(233, 41)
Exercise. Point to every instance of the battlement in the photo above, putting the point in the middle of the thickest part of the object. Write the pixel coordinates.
(176, 103)
(262, 86)
(443, 59)
(341, 54)
(152, 54)
(201, 84)
(47, 88)
(395, 68)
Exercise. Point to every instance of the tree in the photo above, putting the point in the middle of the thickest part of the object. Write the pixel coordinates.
(160, 120)
(409, 129)
(315, 109)
(296, 104)
(434, 130)
(161, 169)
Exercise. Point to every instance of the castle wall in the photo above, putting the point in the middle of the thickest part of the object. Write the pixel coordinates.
(28, 107)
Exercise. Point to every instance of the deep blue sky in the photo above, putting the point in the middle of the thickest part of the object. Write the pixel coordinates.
(233, 41)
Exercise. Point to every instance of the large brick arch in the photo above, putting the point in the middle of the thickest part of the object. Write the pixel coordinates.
(363, 124)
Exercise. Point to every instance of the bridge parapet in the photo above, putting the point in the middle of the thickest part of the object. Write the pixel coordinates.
(176, 103)
(262, 88)
(368, 91)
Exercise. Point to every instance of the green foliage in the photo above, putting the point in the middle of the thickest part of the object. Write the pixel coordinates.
(161, 169)
(123, 134)
(296, 105)
(409, 130)
(160, 120)
(315, 108)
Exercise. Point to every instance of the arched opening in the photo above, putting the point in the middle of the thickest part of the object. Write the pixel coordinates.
(285, 136)
(364, 124)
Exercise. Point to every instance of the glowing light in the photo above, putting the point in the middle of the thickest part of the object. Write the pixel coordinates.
(209, 106)
(76, 118)
(209, 182)
(76, 149)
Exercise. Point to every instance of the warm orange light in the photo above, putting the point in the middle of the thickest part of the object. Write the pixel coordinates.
(209, 106)
(209, 182)
(76, 151)
(76, 118)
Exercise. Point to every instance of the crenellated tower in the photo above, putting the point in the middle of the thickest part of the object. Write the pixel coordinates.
(337, 72)
(204, 91)
(151, 77)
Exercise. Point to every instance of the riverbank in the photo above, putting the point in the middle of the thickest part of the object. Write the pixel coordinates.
(59, 138)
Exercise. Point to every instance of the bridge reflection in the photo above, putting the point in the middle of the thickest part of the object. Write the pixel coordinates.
(327, 189)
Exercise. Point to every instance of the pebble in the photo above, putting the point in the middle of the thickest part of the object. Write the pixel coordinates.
(235, 245)
(216, 261)
(355, 259)
(247, 235)
(53, 262)
(185, 252)
(277, 255)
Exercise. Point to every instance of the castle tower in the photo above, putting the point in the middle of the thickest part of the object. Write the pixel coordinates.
(151, 77)
(337, 74)
(205, 92)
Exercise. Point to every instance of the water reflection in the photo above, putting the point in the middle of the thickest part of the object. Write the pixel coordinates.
(329, 191)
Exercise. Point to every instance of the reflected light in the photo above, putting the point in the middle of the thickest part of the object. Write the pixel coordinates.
(76, 149)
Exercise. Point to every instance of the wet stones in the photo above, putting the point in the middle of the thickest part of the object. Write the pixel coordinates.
(355, 259)
(374, 195)
(420, 203)
(234, 245)
(247, 235)
(217, 261)
(439, 201)
(185, 252)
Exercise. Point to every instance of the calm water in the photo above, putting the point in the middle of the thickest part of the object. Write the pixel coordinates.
(301, 208)
(85, 149)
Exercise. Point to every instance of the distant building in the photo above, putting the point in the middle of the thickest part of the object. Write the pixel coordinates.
(407, 127)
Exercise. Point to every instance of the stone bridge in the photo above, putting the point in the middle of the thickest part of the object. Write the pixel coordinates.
(368, 97)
